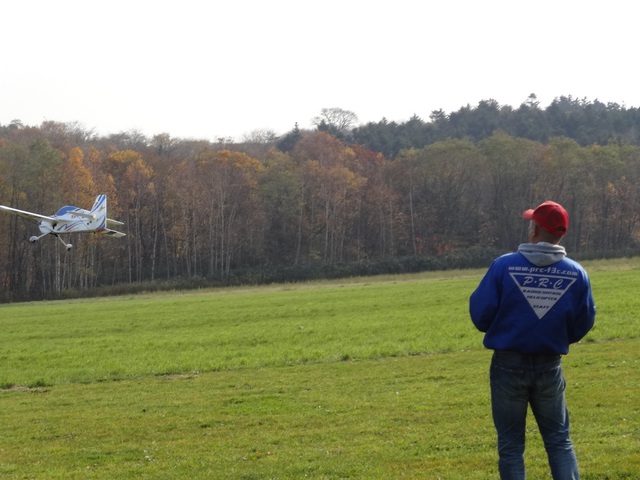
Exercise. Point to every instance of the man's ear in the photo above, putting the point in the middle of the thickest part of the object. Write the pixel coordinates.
(536, 231)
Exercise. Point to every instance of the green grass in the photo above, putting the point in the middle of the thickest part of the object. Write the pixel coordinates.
(95, 340)
(363, 379)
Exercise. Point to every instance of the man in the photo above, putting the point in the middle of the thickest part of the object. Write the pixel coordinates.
(532, 304)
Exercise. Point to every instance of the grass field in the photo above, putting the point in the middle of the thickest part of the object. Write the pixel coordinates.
(370, 378)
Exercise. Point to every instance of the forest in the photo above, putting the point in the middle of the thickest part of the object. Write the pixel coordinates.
(341, 197)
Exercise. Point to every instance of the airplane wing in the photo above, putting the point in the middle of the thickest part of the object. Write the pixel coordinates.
(30, 215)
(111, 233)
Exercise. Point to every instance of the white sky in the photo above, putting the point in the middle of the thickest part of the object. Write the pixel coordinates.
(206, 69)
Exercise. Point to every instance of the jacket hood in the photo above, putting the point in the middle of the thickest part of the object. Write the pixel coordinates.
(542, 254)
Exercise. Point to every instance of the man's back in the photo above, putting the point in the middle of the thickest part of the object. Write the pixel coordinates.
(529, 307)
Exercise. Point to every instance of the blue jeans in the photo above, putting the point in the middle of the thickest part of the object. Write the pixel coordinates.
(518, 381)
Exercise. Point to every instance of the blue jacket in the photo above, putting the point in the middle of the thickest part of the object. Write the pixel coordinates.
(533, 301)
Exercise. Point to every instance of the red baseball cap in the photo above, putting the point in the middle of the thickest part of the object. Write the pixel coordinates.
(551, 216)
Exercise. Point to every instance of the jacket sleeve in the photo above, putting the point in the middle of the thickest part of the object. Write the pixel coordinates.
(485, 300)
(585, 318)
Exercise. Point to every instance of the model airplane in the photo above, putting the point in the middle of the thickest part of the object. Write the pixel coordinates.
(70, 219)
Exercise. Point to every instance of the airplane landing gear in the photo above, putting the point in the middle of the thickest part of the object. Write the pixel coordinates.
(68, 246)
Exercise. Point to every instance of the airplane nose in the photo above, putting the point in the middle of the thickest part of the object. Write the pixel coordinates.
(45, 227)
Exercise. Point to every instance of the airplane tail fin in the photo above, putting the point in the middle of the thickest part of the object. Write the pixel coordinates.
(99, 209)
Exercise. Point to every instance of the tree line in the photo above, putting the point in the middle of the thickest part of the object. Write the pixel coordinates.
(311, 199)
(587, 122)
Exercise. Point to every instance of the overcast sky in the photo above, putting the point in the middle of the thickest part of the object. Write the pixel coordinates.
(206, 69)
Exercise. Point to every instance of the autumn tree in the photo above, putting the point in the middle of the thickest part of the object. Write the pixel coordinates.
(182, 203)
(15, 256)
(78, 188)
(77, 183)
(281, 198)
(329, 186)
(375, 203)
(29, 165)
(511, 166)
(440, 196)
(135, 192)
(230, 215)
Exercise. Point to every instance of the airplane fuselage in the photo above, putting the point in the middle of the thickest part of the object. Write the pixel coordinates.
(67, 223)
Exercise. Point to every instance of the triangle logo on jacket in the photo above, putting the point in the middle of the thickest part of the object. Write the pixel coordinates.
(541, 290)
